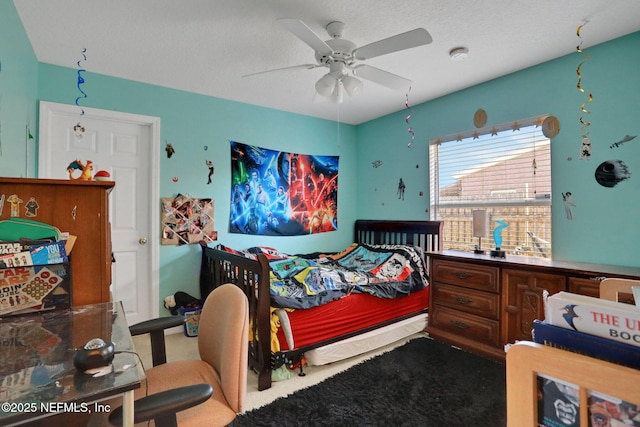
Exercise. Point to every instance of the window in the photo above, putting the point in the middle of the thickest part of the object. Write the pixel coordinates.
(505, 170)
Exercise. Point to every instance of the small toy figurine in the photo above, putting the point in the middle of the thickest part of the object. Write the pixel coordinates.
(102, 176)
(85, 174)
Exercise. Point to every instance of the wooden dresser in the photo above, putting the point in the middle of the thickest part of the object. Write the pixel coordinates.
(82, 209)
(481, 303)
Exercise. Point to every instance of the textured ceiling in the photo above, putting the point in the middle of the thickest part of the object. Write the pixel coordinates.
(205, 46)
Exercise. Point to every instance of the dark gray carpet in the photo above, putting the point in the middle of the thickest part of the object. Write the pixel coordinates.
(422, 383)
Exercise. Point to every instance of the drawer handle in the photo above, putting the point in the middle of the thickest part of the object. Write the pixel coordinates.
(462, 300)
(459, 324)
(461, 275)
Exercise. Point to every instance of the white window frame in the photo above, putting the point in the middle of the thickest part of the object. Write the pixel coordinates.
(527, 210)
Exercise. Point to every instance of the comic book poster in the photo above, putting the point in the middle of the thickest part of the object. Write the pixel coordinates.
(282, 194)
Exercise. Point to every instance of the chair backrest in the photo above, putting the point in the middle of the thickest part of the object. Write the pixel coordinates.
(223, 340)
(618, 290)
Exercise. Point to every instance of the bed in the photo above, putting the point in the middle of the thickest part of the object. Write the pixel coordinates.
(344, 327)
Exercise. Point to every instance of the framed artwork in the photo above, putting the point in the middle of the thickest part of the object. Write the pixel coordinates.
(187, 220)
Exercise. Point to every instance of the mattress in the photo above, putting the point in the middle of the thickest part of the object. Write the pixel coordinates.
(346, 315)
(368, 341)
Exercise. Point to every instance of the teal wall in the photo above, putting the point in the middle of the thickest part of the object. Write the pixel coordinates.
(606, 227)
(189, 122)
(18, 92)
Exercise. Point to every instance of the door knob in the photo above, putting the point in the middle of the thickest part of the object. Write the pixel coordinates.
(143, 241)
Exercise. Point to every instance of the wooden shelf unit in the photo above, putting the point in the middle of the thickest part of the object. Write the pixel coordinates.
(481, 303)
(82, 209)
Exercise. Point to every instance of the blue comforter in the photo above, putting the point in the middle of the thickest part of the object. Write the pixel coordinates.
(304, 281)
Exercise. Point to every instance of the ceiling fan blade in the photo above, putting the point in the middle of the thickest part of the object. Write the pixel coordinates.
(293, 67)
(383, 78)
(413, 38)
(304, 33)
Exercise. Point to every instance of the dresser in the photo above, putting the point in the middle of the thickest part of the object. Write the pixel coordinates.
(80, 208)
(481, 303)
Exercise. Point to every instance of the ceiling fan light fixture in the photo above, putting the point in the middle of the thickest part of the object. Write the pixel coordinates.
(338, 93)
(326, 85)
(352, 85)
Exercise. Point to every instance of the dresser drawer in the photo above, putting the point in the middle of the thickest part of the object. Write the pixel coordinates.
(476, 328)
(474, 276)
(468, 300)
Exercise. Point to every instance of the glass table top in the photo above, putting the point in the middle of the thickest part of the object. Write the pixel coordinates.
(37, 352)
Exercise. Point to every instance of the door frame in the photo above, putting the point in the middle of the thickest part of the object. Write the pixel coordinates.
(45, 132)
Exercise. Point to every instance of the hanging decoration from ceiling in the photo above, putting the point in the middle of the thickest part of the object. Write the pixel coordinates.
(78, 129)
(282, 194)
(410, 129)
(584, 153)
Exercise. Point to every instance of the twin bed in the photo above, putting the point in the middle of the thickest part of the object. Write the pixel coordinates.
(327, 307)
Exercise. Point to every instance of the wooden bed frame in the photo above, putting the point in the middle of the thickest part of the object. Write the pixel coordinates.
(525, 360)
(252, 276)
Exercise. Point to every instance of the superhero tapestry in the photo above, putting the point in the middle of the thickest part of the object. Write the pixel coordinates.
(282, 194)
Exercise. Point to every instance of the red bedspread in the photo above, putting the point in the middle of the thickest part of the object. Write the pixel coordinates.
(349, 314)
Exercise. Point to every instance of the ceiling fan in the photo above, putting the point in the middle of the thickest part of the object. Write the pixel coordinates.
(341, 56)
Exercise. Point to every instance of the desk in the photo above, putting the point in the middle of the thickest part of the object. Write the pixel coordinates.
(37, 376)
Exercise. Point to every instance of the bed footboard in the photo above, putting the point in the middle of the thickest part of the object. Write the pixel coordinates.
(252, 276)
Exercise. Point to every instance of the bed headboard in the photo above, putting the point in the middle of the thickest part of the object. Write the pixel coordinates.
(424, 234)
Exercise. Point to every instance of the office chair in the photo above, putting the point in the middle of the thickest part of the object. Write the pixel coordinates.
(205, 392)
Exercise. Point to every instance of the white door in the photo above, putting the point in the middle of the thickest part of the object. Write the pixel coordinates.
(126, 146)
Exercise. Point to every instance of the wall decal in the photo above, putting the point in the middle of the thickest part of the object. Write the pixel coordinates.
(377, 163)
(401, 188)
(610, 173)
(280, 193)
(209, 164)
(627, 138)
(569, 204)
(169, 149)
